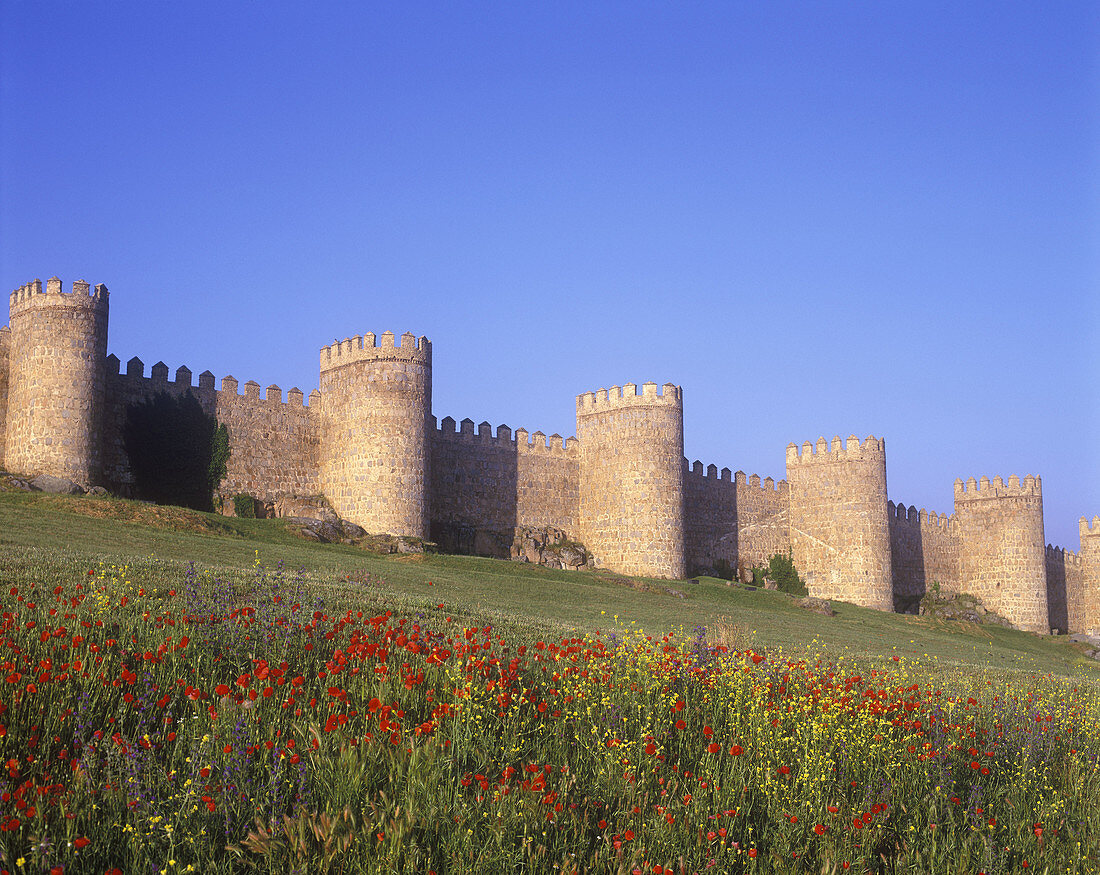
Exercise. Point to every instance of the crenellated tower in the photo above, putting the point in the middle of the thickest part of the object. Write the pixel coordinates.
(839, 528)
(56, 380)
(631, 478)
(1002, 552)
(1090, 574)
(376, 400)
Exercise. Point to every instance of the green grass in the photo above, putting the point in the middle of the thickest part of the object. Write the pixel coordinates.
(176, 696)
(50, 535)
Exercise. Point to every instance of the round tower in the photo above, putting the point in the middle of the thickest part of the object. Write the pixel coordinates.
(631, 483)
(840, 530)
(1002, 552)
(376, 403)
(56, 380)
(1088, 595)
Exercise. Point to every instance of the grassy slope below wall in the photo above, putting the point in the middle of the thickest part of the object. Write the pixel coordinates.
(46, 537)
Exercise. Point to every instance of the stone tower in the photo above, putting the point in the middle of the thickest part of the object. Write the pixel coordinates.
(1002, 553)
(840, 531)
(1090, 575)
(376, 405)
(631, 479)
(56, 380)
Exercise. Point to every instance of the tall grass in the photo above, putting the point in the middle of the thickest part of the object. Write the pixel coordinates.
(161, 718)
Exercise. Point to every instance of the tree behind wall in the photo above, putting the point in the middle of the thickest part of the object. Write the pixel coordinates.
(177, 451)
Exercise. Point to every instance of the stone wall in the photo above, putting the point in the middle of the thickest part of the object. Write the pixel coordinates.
(367, 441)
(273, 444)
(924, 550)
(710, 519)
(1002, 553)
(1065, 605)
(56, 376)
(497, 483)
(1089, 576)
(376, 401)
(631, 502)
(732, 522)
(840, 535)
(763, 518)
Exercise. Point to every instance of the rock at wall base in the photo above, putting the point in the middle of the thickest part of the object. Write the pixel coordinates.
(818, 606)
(56, 485)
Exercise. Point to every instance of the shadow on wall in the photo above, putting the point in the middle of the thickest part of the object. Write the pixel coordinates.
(907, 559)
(1057, 602)
(177, 452)
(474, 498)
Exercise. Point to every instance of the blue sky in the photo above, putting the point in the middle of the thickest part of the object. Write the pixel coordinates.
(819, 218)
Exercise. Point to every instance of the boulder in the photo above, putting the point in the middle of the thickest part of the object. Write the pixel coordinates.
(296, 507)
(818, 606)
(571, 557)
(56, 485)
(409, 545)
(318, 530)
(351, 530)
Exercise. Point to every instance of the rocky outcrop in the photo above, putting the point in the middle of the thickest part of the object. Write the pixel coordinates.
(538, 545)
(960, 606)
(818, 606)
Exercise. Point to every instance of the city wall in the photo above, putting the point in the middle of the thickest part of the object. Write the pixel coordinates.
(924, 550)
(273, 442)
(367, 440)
(732, 523)
(496, 483)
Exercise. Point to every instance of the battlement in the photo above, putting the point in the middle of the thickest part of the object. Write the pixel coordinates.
(521, 440)
(811, 454)
(628, 396)
(899, 513)
(711, 473)
(369, 347)
(272, 394)
(183, 380)
(31, 297)
(985, 489)
(1089, 529)
(1061, 554)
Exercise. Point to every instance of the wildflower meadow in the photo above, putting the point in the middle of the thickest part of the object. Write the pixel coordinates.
(159, 719)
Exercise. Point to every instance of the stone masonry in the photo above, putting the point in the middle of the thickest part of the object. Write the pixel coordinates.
(367, 441)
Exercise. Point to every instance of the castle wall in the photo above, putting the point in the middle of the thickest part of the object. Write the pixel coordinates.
(763, 518)
(375, 423)
(1065, 603)
(631, 501)
(273, 444)
(367, 441)
(924, 550)
(497, 483)
(732, 523)
(58, 347)
(1002, 554)
(710, 519)
(840, 536)
(5, 350)
(1089, 577)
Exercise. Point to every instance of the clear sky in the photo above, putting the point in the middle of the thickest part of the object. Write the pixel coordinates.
(818, 218)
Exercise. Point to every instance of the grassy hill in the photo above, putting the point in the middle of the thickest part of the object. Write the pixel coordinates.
(47, 538)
